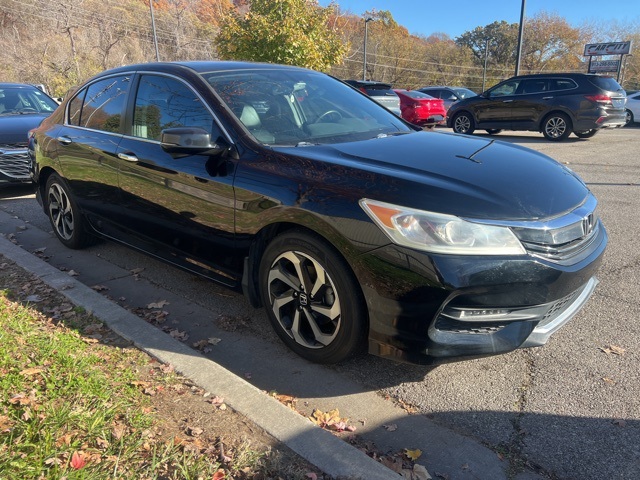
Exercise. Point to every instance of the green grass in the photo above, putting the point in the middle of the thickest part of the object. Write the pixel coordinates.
(62, 394)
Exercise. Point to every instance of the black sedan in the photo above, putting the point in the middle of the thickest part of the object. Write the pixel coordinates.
(350, 226)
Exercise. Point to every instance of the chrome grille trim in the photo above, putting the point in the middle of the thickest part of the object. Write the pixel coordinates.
(14, 163)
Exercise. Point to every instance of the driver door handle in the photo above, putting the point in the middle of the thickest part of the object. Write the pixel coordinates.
(507, 101)
(64, 140)
(127, 157)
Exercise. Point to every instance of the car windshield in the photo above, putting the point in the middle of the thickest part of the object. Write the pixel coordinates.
(21, 101)
(465, 92)
(301, 108)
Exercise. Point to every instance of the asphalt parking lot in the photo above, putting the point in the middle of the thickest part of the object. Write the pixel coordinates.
(568, 410)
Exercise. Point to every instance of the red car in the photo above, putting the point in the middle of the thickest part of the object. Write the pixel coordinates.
(421, 109)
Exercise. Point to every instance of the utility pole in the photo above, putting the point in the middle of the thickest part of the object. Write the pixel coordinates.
(364, 61)
(520, 34)
(153, 27)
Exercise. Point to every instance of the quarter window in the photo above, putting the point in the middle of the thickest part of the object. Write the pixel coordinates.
(164, 102)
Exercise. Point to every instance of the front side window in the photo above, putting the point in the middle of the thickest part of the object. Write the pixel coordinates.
(101, 106)
(507, 88)
(165, 102)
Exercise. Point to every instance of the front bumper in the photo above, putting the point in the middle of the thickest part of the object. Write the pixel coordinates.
(453, 308)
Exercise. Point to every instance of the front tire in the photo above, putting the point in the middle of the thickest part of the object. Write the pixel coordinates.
(586, 133)
(64, 214)
(493, 131)
(556, 127)
(463, 123)
(312, 298)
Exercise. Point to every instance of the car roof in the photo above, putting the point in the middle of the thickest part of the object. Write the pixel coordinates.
(199, 66)
(16, 85)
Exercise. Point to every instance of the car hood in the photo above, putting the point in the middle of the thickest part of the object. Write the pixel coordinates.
(14, 127)
(457, 174)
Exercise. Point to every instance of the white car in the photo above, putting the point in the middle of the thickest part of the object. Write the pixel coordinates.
(633, 108)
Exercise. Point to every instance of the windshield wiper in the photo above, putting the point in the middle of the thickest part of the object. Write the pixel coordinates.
(390, 134)
(306, 144)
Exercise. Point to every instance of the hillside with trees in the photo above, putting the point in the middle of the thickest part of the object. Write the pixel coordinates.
(62, 43)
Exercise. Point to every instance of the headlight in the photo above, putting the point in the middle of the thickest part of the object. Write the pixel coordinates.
(439, 233)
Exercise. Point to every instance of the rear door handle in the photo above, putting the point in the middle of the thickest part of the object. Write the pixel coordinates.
(127, 157)
(546, 98)
(507, 101)
(64, 140)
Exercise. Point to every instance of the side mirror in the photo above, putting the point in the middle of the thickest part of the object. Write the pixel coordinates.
(183, 141)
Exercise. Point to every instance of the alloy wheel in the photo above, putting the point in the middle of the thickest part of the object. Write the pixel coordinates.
(61, 211)
(304, 299)
(462, 124)
(555, 127)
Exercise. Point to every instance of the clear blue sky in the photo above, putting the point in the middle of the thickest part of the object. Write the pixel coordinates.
(458, 16)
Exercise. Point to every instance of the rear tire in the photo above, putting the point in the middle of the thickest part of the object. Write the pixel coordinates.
(312, 298)
(463, 123)
(556, 127)
(586, 133)
(629, 118)
(64, 214)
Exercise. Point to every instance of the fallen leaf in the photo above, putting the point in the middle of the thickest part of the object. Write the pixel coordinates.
(33, 298)
(392, 463)
(391, 428)
(99, 288)
(620, 423)
(312, 476)
(31, 371)
(214, 340)
(420, 472)
(613, 349)
(72, 273)
(219, 475)
(248, 375)
(77, 460)
(195, 431)
(159, 304)
(609, 381)
(136, 271)
(413, 454)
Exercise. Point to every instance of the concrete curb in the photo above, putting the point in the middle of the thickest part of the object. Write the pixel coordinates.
(321, 448)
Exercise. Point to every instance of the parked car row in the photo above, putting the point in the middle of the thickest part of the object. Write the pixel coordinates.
(354, 228)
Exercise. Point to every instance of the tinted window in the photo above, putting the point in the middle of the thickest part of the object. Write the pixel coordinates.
(605, 83)
(164, 102)
(75, 107)
(562, 84)
(534, 86)
(103, 104)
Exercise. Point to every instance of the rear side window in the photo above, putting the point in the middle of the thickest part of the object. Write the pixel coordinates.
(562, 84)
(100, 105)
(605, 83)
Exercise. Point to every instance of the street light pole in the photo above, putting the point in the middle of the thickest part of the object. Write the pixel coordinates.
(153, 27)
(364, 60)
(520, 34)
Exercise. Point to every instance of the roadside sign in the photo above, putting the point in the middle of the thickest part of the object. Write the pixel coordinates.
(604, 66)
(610, 48)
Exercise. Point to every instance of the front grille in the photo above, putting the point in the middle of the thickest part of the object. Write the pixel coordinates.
(562, 251)
(14, 162)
